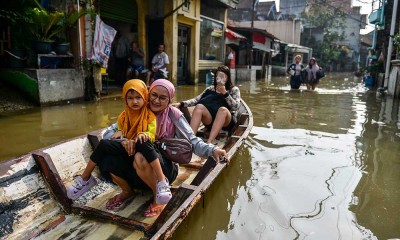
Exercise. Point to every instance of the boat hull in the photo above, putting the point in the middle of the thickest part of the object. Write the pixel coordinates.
(34, 201)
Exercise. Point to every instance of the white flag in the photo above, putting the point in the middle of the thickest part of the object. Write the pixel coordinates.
(103, 37)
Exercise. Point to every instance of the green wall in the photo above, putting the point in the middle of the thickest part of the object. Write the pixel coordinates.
(23, 82)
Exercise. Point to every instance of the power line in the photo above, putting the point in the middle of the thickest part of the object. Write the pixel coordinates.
(365, 1)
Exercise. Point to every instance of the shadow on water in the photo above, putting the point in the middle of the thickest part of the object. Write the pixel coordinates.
(320, 165)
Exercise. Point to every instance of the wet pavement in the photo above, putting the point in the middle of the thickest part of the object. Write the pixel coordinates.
(318, 165)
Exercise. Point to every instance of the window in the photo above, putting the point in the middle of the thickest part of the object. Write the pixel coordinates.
(211, 40)
(186, 5)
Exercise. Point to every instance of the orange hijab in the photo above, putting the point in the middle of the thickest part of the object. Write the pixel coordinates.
(133, 122)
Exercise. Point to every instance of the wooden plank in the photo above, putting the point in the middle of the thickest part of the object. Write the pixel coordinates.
(193, 165)
(243, 117)
(93, 140)
(53, 179)
(53, 224)
(187, 186)
(109, 217)
(174, 221)
(26, 206)
(172, 210)
(207, 167)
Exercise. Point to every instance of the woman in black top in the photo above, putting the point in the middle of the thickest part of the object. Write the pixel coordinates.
(214, 106)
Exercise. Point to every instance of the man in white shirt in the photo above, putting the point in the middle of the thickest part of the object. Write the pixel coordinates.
(159, 66)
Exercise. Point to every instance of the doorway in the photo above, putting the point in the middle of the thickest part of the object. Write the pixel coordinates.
(183, 54)
(155, 36)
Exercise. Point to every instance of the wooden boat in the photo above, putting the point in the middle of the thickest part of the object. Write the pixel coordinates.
(34, 204)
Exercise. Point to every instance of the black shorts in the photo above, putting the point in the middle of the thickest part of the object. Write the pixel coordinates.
(158, 75)
(227, 128)
(111, 157)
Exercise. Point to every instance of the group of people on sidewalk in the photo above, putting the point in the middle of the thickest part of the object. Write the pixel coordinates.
(127, 154)
(159, 63)
(310, 75)
(129, 62)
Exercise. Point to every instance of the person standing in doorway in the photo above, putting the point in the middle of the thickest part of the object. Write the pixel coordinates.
(159, 66)
(294, 71)
(136, 63)
(121, 58)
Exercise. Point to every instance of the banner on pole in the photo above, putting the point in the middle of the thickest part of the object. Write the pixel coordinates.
(103, 37)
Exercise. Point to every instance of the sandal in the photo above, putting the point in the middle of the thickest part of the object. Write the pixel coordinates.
(117, 203)
(153, 211)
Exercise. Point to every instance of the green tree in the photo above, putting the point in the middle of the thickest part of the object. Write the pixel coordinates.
(322, 17)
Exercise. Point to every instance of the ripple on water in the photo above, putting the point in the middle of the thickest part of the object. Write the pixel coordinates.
(307, 177)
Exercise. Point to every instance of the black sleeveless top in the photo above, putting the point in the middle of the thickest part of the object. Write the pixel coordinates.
(213, 101)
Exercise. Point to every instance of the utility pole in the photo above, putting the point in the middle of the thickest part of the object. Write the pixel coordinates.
(390, 48)
(252, 28)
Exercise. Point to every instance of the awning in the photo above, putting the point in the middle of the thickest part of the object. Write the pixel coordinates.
(232, 37)
(297, 48)
(260, 39)
(261, 42)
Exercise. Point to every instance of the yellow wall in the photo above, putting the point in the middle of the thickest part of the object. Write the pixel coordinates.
(171, 23)
(142, 7)
(171, 39)
(192, 19)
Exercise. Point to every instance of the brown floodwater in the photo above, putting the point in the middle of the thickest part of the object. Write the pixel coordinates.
(317, 165)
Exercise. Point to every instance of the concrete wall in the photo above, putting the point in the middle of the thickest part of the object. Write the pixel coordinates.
(245, 74)
(394, 80)
(47, 86)
(58, 85)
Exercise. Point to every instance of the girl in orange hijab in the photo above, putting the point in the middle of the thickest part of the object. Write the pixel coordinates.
(137, 123)
(137, 119)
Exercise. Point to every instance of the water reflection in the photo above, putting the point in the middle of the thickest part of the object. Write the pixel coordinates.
(323, 166)
(378, 193)
(36, 128)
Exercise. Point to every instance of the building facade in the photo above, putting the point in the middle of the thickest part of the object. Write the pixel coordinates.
(192, 31)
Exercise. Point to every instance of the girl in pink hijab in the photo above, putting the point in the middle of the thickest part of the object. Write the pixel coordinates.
(312, 76)
(165, 126)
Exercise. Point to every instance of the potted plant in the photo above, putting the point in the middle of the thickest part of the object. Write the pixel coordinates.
(46, 26)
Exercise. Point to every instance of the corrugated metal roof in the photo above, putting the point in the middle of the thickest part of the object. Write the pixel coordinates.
(120, 10)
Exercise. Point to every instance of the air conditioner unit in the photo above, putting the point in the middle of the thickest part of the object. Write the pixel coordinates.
(375, 17)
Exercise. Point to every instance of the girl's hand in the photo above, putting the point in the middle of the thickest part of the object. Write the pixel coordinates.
(129, 146)
(117, 134)
(142, 138)
(221, 89)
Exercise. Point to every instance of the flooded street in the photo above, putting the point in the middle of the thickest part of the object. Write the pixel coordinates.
(317, 165)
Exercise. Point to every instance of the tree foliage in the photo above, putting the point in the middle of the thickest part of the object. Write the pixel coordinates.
(321, 16)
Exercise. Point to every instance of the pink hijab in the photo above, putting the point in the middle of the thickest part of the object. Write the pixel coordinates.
(312, 74)
(165, 126)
